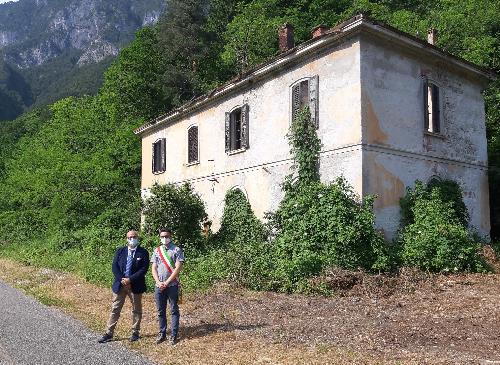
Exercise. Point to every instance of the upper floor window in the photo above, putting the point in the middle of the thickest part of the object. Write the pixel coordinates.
(159, 160)
(236, 129)
(192, 144)
(305, 93)
(432, 107)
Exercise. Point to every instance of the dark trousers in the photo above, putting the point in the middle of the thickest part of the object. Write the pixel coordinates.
(170, 294)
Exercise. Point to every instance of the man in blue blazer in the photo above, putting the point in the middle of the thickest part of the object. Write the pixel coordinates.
(130, 265)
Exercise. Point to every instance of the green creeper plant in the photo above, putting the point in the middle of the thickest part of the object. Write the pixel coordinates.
(305, 147)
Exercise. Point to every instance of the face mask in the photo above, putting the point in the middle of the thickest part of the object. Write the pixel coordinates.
(165, 240)
(133, 242)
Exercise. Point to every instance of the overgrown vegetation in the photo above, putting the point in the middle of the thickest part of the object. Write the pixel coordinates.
(316, 226)
(435, 235)
(446, 191)
(178, 208)
(69, 174)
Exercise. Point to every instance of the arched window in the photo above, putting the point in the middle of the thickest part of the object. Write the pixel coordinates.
(305, 93)
(237, 129)
(193, 145)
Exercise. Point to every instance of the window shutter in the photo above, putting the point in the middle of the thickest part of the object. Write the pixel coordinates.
(313, 99)
(193, 144)
(426, 104)
(228, 132)
(163, 160)
(153, 165)
(295, 101)
(244, 127)
(435, 109)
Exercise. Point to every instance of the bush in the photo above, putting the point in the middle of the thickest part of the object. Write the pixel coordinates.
(239, 224)
(437, 239)
(241, 238)
(202, 272)
(179, 209)
(319, 225)
(447, 190)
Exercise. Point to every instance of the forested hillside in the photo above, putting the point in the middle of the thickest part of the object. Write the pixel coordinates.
(70, 173)
(51, 49)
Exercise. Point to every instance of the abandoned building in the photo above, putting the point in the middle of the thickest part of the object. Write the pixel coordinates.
(389, 109)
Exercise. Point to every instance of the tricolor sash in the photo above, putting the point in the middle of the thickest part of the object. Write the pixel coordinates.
(167, 260)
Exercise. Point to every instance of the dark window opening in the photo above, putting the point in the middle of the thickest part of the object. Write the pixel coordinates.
(432, 108)
(159, 156)
(300, 96)
(237, 130)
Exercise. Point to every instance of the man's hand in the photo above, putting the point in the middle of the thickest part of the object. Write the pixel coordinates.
(161, 285)
(126, 282)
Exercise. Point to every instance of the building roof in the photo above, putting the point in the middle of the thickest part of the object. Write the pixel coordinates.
(355, 25)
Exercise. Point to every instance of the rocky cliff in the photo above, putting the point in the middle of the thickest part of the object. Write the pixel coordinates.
(40, 39)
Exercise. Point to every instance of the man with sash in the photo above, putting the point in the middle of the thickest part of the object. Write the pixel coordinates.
(167, 262)
(130, 265)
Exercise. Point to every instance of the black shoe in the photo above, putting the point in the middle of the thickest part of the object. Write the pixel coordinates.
(172, 340)
(160, 338)
(105, 338)
(134, 337)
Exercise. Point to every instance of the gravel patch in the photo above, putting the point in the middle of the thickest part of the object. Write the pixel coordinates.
(31, 333)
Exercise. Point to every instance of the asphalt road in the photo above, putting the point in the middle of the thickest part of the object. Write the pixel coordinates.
(34, 334)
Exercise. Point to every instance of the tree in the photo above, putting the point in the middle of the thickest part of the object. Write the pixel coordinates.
(179, 209)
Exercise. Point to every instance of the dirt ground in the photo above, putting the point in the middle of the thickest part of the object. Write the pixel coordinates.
(409, 319)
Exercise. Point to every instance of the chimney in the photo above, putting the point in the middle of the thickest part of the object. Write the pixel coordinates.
(285, 34)
(432, 36)
(319, 30)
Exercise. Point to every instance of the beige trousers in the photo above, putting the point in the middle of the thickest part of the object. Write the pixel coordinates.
(116, 308)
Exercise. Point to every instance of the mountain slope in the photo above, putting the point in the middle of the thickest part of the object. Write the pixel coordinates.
(57, 48)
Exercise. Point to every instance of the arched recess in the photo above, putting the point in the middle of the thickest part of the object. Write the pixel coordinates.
(242, 189)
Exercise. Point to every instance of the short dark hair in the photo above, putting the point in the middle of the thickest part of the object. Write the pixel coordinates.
(166, 230)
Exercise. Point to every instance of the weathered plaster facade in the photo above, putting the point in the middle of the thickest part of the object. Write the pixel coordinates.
(370, 123)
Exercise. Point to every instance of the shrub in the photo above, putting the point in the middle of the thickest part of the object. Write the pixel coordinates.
(179, 209)
(203, 271)
(437, 239)
(241, 237)
(447, 190)
(321, 225)
(239, 224)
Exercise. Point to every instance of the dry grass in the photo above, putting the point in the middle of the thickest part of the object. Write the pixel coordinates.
(204, 343)
(441, 320)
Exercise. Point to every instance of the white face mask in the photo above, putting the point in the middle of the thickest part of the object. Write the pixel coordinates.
(165, 240)
(133, 242)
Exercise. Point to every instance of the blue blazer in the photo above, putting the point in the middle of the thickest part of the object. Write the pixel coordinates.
(138, 271)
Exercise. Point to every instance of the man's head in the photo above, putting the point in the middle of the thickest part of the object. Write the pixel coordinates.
(132, 239)
(165, 236)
